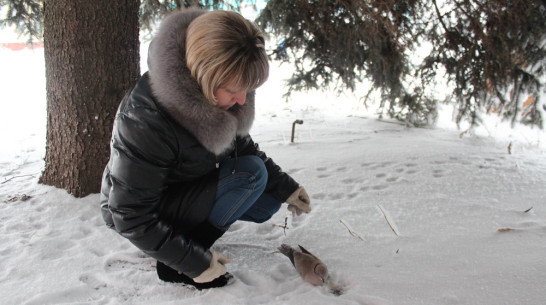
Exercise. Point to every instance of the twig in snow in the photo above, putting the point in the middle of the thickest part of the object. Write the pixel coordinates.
(390, 222)
(285, 227)
(15, 198)
(510, 148)
(353, 233)
(528, 210)
(7, 180)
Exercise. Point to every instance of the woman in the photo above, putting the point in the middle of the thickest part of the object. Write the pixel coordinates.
(183, 167)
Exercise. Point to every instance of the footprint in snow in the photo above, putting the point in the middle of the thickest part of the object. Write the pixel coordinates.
(120, 262)
(349, 180)
(438, 173)
(293, 171)
(379, 187)
(92, 281)
(318, 196)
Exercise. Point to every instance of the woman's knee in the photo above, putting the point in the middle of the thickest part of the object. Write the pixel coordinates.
(255, 166)
(262, 210)
(272, 210)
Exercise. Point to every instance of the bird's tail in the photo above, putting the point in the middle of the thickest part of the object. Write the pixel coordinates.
(288, 251)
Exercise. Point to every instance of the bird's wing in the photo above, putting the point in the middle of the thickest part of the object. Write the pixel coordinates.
(307, 252)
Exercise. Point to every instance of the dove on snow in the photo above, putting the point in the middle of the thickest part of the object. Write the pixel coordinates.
(309, 267)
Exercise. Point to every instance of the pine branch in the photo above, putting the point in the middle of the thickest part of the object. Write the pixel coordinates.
(440, 17)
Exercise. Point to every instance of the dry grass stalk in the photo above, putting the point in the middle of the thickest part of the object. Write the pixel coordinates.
(353, 233)
(387, 219)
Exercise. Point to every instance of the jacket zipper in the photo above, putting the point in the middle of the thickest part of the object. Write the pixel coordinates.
(235, 163)
(236, 153)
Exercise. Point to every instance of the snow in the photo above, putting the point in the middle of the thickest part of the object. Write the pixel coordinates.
(470, 216)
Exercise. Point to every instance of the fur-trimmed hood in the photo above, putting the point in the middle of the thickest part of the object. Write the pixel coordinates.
(179, 94)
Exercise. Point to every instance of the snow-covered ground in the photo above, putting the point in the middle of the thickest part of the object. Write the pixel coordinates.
(470, 213)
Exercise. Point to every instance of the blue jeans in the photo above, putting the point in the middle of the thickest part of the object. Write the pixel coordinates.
(240, 195)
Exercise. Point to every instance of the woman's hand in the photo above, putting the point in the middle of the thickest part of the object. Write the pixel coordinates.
(299, 202)
(217, 268)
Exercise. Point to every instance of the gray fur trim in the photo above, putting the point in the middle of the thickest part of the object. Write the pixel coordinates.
(180, 95)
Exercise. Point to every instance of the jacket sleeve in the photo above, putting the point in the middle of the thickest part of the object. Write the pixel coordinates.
(279, 184)
(142, 150)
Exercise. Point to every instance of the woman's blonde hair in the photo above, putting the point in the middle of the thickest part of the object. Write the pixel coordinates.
(224, 48)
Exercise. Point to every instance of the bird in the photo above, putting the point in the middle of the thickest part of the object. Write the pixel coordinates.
(310, 268)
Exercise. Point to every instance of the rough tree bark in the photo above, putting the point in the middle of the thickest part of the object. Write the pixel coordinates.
(92, 58)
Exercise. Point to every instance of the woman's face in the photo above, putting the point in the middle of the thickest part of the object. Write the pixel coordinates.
(228, 96)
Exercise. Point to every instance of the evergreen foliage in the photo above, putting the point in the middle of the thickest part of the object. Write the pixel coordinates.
(492, 52)
(153, 10)
(25, 16)
(346, 41)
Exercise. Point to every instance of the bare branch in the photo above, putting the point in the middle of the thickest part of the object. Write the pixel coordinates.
(7, 180)
(285, 226)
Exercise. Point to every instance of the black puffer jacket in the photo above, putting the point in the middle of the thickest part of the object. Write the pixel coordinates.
(167, 142)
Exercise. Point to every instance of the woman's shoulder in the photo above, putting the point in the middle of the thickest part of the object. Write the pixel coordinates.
(140, 104)
(141, 125)
(140, 96)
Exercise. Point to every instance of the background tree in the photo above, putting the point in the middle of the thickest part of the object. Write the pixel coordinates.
(491, 51)
(494, 52)
(91, 51)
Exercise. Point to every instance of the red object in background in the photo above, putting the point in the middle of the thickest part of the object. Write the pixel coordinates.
(17, 46)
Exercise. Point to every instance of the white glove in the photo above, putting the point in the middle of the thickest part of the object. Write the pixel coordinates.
(299, 202)
(217, 268)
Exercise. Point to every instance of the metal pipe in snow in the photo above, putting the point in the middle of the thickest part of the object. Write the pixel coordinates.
(294, 128)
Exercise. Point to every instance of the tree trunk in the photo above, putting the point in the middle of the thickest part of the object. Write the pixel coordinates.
(92, 58)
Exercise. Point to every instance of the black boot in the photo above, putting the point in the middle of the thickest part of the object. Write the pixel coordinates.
(168, 274)
(205, 234)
